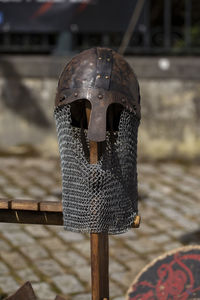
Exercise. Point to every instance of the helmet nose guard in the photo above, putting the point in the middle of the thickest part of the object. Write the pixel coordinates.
(103, 77)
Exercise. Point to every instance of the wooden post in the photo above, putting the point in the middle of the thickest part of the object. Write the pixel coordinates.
(99, 246)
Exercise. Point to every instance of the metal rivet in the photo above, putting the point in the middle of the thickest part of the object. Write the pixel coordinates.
(108, 59)
(99, 57)
(62, 98)
(106, 76)
(98, 76)
(100, 96)
(75, 94)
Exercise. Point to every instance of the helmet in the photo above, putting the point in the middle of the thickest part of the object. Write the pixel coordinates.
(100, 197)
(103, 77)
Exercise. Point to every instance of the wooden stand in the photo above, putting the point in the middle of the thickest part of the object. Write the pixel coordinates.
(99, 247)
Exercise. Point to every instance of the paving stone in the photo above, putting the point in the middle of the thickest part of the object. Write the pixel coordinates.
(83, 247)
(14, 259)
(3, 180)
(143, 245)
(160, 238)
(8, 285)
(53, 244)
(43, 291)
(82, 297)
(13, 191)
(84, 273)
(36, 191)
(115, 266)
(3, 269)
(34, 252)
(146, 229)
(70, 258)
(45, 181)
(130, 234)
(122, 253)
(71, 236)
(38, 231)
(8, 227)
(49, 267)
(162, 223)
(189, 225)
(169, 209)
(123, 278)
(135, 266)
(4, 246)
(68, 284)
(19, 238)
(115, 289)
(176, 233)
(52, 198)
(28, 275)
(172, 246)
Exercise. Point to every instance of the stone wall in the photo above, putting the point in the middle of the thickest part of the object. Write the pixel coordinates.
(170, 90)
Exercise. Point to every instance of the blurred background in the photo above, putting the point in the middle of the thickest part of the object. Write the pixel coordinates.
(161, 41)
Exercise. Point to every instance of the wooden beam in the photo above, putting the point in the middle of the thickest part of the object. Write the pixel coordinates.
(30, 217)
(99, 246)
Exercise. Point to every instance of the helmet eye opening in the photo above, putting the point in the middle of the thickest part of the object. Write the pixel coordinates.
(113, 116)
(78, 113)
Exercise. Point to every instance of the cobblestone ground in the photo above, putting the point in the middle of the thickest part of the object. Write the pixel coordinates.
(58, 262)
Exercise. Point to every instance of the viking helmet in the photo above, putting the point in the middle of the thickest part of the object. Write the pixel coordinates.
(103, 77)
(101, 197)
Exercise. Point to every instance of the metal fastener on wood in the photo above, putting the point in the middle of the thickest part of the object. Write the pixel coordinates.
(136, 222)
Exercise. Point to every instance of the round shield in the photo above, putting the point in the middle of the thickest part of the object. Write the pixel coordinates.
(175, 275)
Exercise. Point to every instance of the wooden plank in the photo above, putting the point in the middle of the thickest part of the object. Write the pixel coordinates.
(98, 244)
(25, 205)
(51, 206)
(4, 203)
(99, 266)
(34, 205)
(31, 217)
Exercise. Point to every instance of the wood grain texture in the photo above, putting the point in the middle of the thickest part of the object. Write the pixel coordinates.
(50, 206)
(99, 266)
(98, 244)
(24, 205)
(34, 205)
(4, 203)
(30, 217)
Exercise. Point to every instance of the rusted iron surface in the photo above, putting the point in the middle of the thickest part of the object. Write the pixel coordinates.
(25, 292)
(103, 77)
